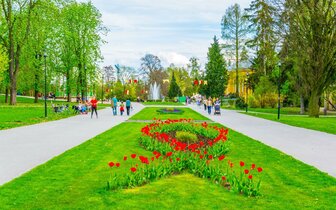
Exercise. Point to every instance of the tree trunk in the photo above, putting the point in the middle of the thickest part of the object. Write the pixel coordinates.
(313, 106)
(6, 95)
(68, 88)
(13, 91)
(36, 89)
(302, 104)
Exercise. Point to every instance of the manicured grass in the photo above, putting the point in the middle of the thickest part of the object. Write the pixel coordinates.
(162, 103)
(26, 112)
(11, 117)
(324, 124)
(150, 113)
(77, 180)
(283, 110)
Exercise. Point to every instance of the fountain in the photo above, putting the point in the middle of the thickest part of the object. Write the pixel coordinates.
(154, 92)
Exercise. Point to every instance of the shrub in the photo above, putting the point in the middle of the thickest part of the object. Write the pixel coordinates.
(186, 136)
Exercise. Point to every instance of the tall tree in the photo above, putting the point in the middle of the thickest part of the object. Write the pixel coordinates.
(149, 64)
(16, 24)
(261, 14)
(194, 67)
(174, 89)
(84, 30)
(234, 33)
(312, 36)
(216, 71)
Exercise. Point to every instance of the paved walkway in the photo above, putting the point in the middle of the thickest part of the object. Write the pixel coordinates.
(311, 147)
(24, 148)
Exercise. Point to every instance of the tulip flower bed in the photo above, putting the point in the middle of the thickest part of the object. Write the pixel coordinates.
(204, 158)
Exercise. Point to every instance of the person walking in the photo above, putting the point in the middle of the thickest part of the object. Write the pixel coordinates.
(209, 105)
(93, 103)
(128, 106)
(205, 103)
(114, 104)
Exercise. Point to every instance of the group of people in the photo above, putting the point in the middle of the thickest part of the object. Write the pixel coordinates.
(209, 104)
(114, 105)
(84, 107)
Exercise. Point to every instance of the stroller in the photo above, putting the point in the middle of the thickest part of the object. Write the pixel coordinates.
(217, 108)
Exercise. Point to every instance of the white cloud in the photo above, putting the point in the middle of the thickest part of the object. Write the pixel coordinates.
(175, 30)
(168, 58)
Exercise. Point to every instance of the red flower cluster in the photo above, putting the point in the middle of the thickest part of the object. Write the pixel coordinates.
(181, 146)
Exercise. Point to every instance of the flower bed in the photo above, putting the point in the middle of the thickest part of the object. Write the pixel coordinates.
(203, 158)
(170, 111)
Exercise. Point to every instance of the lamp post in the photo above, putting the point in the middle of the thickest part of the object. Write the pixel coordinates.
(102, 88)
(279, 94)
(45, 84)
(247, 86)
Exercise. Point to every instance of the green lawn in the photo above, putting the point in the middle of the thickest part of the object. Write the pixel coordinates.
(77, 180)
(325, 124)
(150, 113)
(283, 110)
(26, 112)
(162, 103)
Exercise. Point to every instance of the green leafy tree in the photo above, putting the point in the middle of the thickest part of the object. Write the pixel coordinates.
(261, 15)
(15, 24)
(234, 33)
(312, 36)
(174, 89)
(216, 71)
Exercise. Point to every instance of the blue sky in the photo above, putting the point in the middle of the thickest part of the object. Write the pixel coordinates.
(174, 30)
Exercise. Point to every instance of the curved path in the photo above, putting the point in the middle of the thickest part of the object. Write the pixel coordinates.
(311, 147)
(24, 148)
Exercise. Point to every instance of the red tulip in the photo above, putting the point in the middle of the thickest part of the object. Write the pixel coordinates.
(169, 154)
(250, 176)
(133, 156)
(242, 163)
(253, 166)
(152, 158)
(246, 171)
(125, 157)
(201, 156)
(111, 164)
(210, 157)
(260, 169)
(223, 178)
(178, 159)
(118, 164)
(133, 169)
(220, 158)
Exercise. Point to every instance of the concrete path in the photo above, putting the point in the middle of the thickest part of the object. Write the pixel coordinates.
(311, 147)
(24, 148)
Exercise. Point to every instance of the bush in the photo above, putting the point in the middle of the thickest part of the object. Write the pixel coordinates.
(186, 136)
(240, 103)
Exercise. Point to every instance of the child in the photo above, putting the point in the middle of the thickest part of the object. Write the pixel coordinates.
(122, 108)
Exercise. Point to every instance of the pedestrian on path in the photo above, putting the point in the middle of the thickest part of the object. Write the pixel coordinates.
(122, 108)
(128, 106)
(93, 103)
(114, 104)
(205, 103)
(209, 105)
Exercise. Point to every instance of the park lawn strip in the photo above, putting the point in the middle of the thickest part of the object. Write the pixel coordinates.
(165, 103)
(283, 110)
(26, 112)
(150, 113)
(324, 124)
(77, 180)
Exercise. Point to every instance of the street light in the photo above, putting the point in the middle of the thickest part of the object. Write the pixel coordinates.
(247, 86)
(102, 88)
(279, 94)
(45, 84)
